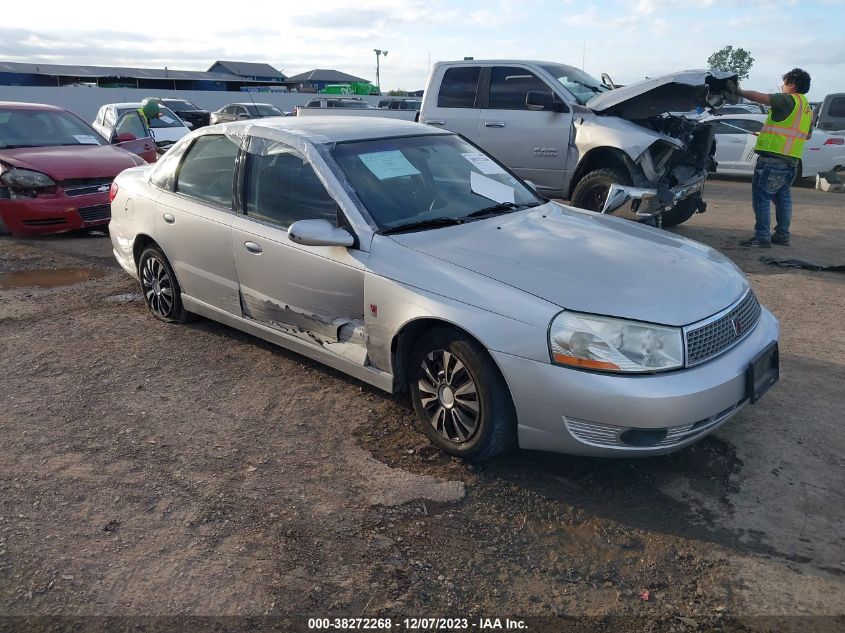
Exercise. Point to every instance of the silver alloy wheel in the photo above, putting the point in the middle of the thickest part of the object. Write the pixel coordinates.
(449, 396)
(158, 287)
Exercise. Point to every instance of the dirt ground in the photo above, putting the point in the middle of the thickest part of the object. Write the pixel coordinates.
(157, 470)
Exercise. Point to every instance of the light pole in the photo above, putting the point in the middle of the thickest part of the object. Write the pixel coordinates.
(378, 52)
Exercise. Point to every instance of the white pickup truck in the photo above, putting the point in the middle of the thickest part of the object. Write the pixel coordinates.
(609, 150)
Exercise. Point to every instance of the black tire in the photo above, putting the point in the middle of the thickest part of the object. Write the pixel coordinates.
(163, 299)
(494, 430)
(591, 191)
(681, 212)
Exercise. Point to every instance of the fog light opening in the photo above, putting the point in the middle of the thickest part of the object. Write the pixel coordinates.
(643, 437)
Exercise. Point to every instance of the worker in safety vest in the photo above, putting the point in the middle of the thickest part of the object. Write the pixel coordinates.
(779, 147)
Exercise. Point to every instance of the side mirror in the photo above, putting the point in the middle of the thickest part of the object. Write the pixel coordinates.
(124, 138)
(538, 100)
(532, 185)
(319, 233)
(243, 116)
(189, 125)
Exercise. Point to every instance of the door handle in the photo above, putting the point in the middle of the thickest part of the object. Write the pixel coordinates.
(168, 217)
(252, 247)
(494, 124)
(435, 122)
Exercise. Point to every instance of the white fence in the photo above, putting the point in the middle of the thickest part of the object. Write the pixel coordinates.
(85, 102)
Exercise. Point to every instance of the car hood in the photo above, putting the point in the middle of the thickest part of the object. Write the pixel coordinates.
(587, 262)
(72, 161)
(678, 92)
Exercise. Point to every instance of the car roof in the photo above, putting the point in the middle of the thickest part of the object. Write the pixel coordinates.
(326, 130)
(249, 103)
(22, 105)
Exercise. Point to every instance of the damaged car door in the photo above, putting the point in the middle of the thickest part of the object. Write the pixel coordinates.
(313, 292)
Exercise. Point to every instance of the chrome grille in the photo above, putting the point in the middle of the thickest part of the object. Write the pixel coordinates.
(85, 186)
(96, 212)
(722, 331)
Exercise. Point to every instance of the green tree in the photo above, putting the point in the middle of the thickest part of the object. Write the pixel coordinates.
(398, 92)
(735, 60)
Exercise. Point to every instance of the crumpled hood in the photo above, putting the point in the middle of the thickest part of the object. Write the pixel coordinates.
(586, 262)
(72, 161)
(678, 92)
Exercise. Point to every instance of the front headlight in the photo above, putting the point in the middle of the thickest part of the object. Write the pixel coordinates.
(26, 179)
(614, 345)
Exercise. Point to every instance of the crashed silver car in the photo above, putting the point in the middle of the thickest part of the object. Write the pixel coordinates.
(409, 259)
(619, 151)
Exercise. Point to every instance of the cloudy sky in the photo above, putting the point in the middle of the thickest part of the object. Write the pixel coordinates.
(629, 39)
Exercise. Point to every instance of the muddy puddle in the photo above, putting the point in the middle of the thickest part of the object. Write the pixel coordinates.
(48, 278)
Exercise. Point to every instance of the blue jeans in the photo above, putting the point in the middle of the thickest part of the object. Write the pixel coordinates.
(771, 182)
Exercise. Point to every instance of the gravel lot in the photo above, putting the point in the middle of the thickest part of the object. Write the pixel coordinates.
(157, 470)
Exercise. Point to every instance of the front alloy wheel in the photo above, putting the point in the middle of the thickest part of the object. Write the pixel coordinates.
(448, 396)
(459, 395)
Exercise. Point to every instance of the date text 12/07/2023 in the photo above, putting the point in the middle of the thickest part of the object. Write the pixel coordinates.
(416, 624)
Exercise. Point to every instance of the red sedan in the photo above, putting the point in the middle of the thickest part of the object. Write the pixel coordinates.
(55, 171)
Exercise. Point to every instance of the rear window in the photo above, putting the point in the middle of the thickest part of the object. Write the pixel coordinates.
(459, 87)
(207, 172)
(180, 105)
(837, 107)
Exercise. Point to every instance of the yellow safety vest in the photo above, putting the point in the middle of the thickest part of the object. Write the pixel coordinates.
(787, 137)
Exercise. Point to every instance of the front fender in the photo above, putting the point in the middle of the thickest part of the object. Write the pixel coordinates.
(630, 138)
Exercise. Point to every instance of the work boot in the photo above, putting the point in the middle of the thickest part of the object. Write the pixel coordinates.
(780, 239)
(755, 243)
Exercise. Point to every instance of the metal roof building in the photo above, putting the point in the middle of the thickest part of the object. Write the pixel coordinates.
(38, 74)
(248, 70)
(319, 78)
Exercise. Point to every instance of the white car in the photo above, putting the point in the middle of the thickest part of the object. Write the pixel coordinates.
(736, 136)
(165, 130)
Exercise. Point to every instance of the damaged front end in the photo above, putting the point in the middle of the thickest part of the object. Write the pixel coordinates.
(667, 155)
(669, 171)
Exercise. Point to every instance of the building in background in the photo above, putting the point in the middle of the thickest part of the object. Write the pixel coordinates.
(317, 79)
(264, 73)
(57, 75)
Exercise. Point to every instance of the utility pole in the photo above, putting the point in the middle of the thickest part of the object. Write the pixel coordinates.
(378, 53)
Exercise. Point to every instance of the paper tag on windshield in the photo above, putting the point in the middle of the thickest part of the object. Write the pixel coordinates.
(489, 188)
(390, 164)
(483, 163)
(166, 119)
(86, 139)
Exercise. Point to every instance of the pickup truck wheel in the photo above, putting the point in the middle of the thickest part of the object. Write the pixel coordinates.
(460, 396)
(681, 212)
(591, 191)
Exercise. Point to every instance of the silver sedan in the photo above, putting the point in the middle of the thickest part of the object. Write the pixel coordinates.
(408, 258)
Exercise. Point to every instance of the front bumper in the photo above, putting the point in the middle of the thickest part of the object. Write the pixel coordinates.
(651, 201)
(54, 213)
(583, 413)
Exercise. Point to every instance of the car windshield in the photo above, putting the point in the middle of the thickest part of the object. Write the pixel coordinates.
(180, 105)
(267, 110)
(426, 179)
(167, 119)
(582, 86)
(44, 128)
